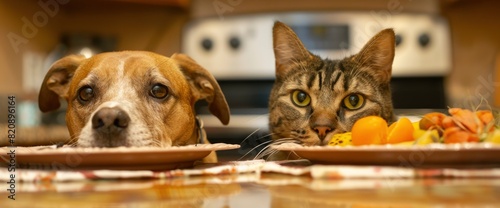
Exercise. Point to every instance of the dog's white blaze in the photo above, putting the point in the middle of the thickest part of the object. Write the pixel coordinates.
(121, 68)
(109, 104)
(121, 88)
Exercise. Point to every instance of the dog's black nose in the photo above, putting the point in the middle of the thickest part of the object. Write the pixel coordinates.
(110, 120)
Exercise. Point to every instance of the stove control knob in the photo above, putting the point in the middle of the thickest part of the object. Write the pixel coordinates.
(207, 44)
(424, 39)
(235, 43)
(399, 39)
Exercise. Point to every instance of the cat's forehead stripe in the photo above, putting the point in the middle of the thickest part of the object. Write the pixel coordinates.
(346, 82)
(328, 74)
(341, 66)
(336, 79)
(310, 82)
(320, 82)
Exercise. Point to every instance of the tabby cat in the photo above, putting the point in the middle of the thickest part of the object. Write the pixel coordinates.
(314, 98)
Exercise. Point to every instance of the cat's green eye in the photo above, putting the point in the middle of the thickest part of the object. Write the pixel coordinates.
(300, 98)
(354, 101)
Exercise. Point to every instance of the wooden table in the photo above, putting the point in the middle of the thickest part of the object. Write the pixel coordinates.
(253, 190)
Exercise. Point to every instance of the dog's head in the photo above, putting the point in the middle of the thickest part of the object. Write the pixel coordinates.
(131, 98)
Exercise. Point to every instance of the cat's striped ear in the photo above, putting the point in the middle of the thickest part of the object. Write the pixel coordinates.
(288, 49)
(378, 54)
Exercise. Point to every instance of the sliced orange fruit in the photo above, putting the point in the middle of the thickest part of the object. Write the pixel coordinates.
(400, 131)
(369, 130)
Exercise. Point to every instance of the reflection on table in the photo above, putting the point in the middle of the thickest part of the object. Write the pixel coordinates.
(254, 190)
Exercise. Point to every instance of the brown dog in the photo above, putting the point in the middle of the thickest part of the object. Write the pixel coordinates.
(132, 98)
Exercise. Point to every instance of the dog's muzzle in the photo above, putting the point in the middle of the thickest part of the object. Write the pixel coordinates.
(112, 121)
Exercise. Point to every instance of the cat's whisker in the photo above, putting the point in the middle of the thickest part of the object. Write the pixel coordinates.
(246, 138)
(73, 141)
(290, 153)
(285, 140)
(258, 146)
(250, 136)
(268, 151)
(264, 152)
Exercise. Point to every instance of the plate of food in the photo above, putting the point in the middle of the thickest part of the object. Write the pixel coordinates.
(460, 138)
(118, 158)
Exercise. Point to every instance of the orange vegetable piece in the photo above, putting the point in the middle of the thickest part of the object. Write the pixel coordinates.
(369, 130)
(455, 135)
(432, 120)
(458, 135)
(400, 131)
(485, 116)
(466, 118)
(448, 122)
(473, 138)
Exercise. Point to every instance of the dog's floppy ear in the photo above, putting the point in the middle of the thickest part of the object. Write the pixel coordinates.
(204, 86)
(56, 82)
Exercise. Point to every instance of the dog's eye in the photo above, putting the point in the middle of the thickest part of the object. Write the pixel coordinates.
(159, 91)
(85, 93)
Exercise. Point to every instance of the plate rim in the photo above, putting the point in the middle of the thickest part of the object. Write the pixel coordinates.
(391, 147)
(124, 158)
(49, 150)
(439, 155)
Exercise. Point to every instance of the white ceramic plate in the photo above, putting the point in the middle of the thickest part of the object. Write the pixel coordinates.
(478, 154)
(120, 158)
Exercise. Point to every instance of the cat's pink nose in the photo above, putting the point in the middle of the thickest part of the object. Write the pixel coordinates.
(322, 131)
